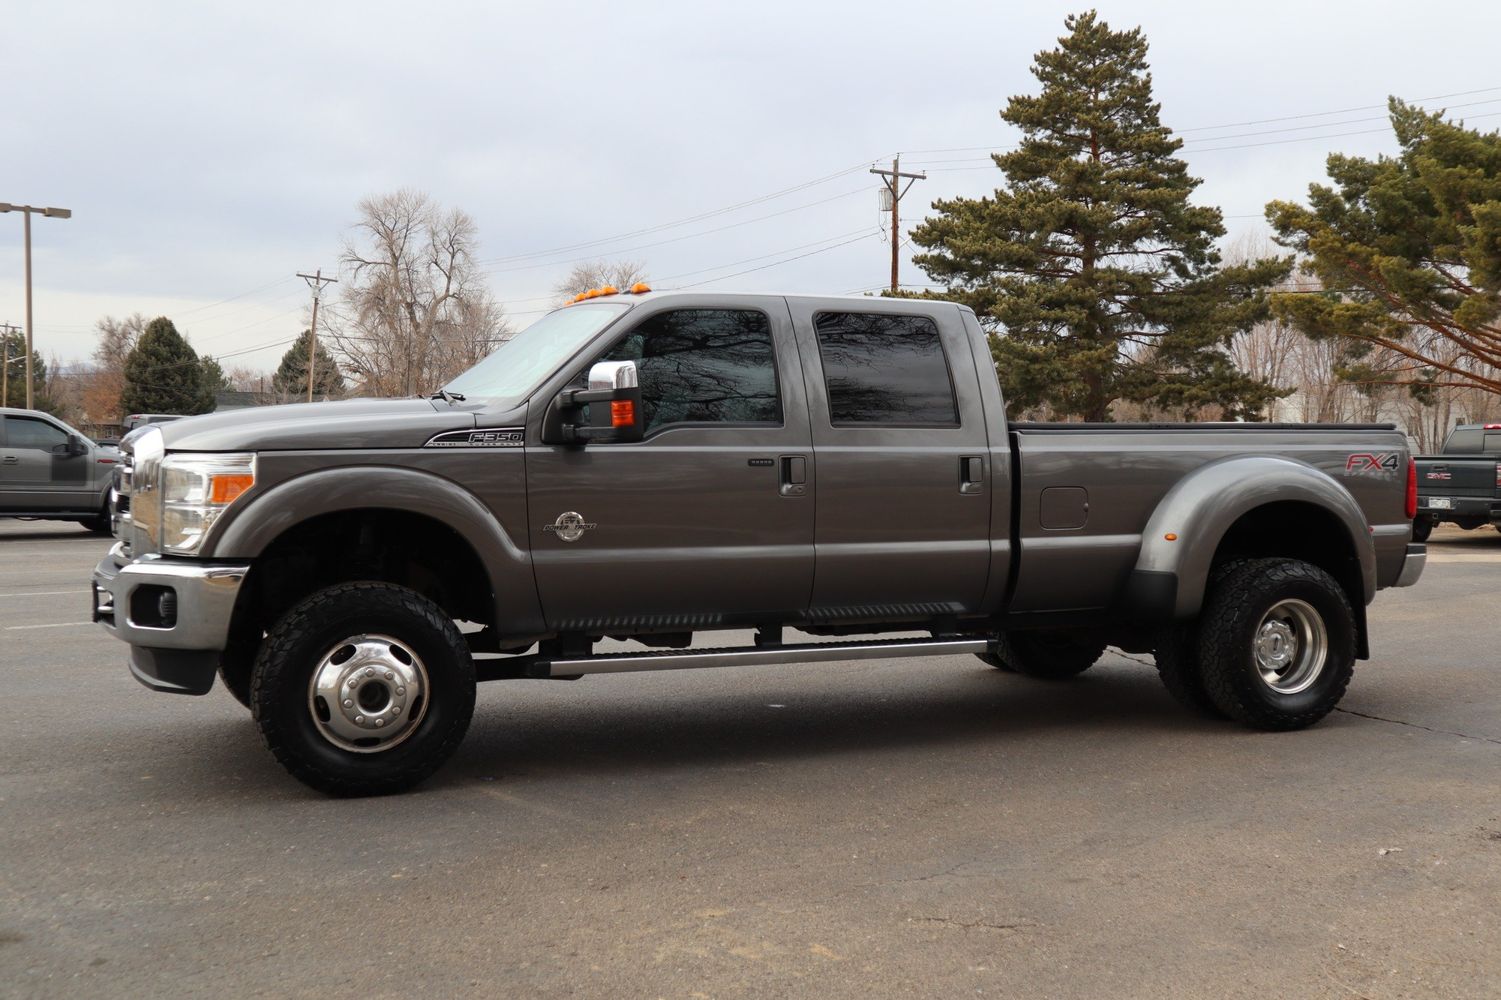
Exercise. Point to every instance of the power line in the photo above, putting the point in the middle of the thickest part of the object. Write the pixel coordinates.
(689, 219)
(778, 263)
(679, 239)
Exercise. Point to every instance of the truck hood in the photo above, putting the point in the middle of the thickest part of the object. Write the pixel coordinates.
(350, 423)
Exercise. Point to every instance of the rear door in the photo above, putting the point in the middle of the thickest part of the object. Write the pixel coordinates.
(700, 523)
(904, 472)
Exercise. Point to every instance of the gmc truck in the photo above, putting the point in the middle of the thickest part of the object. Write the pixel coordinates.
(1462, 485)
(51, 472)
(651, 467)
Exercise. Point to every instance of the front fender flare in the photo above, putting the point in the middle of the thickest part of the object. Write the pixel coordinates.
(1203, 506)
(328, 491)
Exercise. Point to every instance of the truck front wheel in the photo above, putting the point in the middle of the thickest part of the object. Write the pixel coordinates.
(1048, 655)
(1276, 644)
(363, 689)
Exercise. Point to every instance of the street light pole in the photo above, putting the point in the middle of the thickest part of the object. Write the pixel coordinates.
(51, 213)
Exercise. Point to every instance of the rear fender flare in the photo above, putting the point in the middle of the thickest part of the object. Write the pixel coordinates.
(1199, 510)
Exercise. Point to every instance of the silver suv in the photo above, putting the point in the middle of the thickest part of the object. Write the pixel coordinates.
(49, 471)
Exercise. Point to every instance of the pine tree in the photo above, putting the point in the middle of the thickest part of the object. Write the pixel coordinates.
(291, 375)
(15, 390)
(1410, 248)
(163, 374)
(1101, 279)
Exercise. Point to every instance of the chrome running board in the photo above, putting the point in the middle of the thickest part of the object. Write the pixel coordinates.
(690, 659)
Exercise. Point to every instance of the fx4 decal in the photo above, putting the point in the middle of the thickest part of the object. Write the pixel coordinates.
(1373, 464)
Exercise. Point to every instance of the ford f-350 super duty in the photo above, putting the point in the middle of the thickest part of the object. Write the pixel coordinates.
(647, 466)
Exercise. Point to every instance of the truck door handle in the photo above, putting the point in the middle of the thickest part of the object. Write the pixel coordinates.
(11, 460)
(794, 476)
(971, 474)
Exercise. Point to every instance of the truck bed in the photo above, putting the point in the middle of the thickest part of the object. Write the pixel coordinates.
(1085, 491)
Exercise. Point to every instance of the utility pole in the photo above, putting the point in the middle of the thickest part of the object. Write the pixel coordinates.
(893, 179)
(6, 329)
(315, 281)
(51, 213)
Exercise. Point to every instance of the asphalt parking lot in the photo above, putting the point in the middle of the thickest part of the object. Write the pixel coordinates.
(926, 828)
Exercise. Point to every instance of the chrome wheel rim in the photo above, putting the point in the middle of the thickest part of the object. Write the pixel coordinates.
(1291, 647)
(368, 693)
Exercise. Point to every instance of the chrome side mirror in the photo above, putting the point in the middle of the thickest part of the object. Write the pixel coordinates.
(614, 401)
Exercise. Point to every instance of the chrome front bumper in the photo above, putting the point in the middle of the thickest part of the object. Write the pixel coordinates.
(174, 614)
(1412, 565)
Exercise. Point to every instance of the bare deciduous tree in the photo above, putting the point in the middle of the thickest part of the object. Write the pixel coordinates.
(599, 273)
(103, 386)
(416, 310)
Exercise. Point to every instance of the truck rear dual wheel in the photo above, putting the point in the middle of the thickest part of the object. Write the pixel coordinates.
(1044, 654)
(363, 689)
(1422, 527)
(1276, 644)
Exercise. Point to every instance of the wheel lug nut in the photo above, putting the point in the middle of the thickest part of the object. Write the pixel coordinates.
(369, 671)
(348, 703)
(352, 682)
(390, 675)
(360, 719)
(380, 722)
(395, 709)
(401, 690)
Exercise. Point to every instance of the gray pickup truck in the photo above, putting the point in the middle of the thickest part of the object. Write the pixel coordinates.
(51, 472)
(650, 466)
(1462, 485)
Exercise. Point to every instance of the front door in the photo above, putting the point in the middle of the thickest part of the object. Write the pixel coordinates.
(904, 468)
(36, 472)
(700, 523)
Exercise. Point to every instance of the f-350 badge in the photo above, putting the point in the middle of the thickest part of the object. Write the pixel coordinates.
(570, 526)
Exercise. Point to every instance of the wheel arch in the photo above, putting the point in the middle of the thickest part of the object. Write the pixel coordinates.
(397, 525)
(1258, 506)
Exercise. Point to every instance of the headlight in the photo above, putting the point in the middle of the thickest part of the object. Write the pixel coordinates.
(196, 489)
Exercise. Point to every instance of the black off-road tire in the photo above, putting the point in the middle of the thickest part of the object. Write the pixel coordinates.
(1233, 615)
(1052, 656)
(1177, 655)
(1422, 527)
(292, 650)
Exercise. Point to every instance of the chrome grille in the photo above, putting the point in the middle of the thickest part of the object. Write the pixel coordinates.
(140, 489)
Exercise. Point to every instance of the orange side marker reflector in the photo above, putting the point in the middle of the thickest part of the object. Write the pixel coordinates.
(223, 489)
(1170, 537)
(622, 413)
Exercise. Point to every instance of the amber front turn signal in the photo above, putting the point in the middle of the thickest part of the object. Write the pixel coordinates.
(225, 488)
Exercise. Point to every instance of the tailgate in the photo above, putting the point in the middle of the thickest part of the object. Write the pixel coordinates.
(1458, 477)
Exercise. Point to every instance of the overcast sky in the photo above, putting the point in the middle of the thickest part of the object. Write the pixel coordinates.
(209, 151)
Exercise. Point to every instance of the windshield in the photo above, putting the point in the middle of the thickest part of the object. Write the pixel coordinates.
(536, 352)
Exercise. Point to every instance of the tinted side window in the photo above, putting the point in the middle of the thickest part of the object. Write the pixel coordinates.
(884, 369)
(704, 366)
(27, 432)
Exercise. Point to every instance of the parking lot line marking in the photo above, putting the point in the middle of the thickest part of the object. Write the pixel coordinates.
(17, 628)
(43, 593)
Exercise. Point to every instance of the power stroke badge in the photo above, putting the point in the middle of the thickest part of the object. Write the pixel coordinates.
(570, 526)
